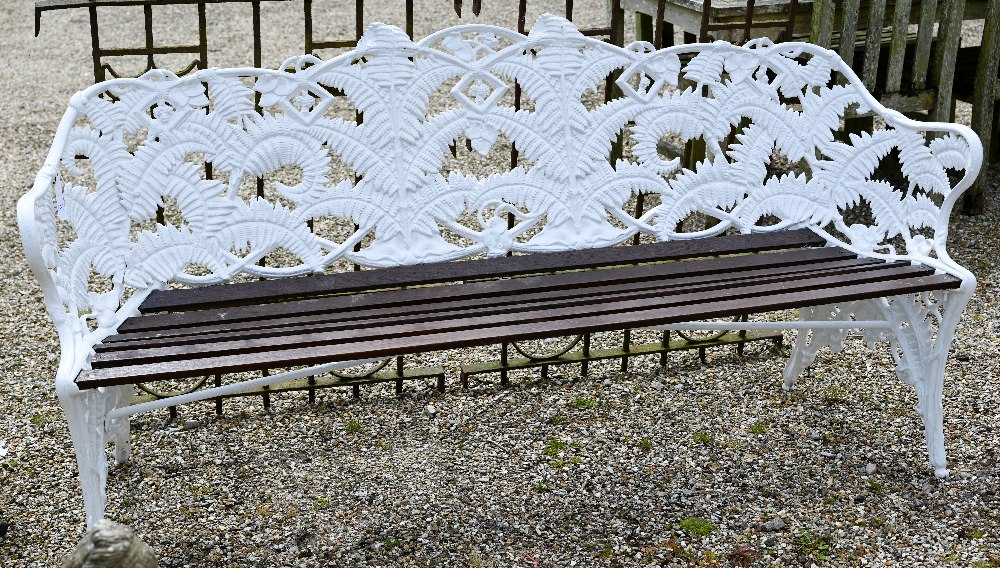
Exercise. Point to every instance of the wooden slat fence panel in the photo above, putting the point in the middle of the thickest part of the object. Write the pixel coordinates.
(984, 101)
(925, 31)
(949, 37)
(897, 46)
(873, 43)
(848, 29)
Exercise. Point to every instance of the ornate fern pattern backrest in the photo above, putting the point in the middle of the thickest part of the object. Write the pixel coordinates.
(146, 141)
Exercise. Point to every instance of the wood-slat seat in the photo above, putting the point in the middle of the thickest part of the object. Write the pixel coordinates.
(414, 309)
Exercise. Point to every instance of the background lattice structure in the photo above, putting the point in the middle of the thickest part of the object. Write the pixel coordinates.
(149, 48)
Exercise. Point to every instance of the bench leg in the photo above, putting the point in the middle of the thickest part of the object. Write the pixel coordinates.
(809, 341)
(923, 327)
(85, 413)
(119, 430)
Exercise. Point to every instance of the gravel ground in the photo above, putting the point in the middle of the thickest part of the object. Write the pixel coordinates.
(694, 463)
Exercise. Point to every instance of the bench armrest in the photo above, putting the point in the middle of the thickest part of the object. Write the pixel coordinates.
(953, 147)
(973, 160)
(71, 308)
(36, 219)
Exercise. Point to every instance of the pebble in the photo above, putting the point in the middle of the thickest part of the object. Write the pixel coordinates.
(775, 524)
(431, 410)
(870, 469)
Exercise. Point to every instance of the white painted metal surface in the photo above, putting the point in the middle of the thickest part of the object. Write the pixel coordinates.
(91, 237)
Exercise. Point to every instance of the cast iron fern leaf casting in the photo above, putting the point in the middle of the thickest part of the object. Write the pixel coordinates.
(148, 141)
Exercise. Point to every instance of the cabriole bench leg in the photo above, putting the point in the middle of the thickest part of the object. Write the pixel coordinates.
(921, 329)
(923, 326)
(809, 341)
(119, 430)
(85, 413)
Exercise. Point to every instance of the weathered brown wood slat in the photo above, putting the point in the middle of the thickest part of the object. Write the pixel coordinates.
(849, 29)
(985, 95)
(387, 303)
(442, 309)
(925, 38)
(513, 332)
(485, 317)
(873, 43)
(897, 45)
(438, 272)
(943, 66)
(821, 27)
(149, 325)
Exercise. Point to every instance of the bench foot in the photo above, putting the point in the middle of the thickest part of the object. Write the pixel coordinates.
(932, 414)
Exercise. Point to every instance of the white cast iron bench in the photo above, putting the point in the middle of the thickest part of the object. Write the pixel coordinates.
(150, 261)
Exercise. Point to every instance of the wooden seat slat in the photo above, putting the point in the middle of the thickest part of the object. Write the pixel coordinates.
(480, 288)
(529, 298)
(517, 331)
(182, 323)
(483, 316)
(438, 272)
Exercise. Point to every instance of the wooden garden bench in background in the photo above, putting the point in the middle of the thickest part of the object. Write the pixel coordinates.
(148, 222)
(906, 71)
